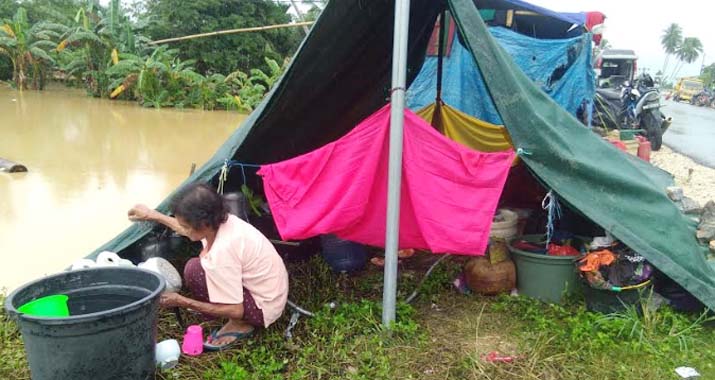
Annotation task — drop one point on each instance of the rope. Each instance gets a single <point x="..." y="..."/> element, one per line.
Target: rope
<point x="222" y="177"/>
<point x="551" y="204"/>
<point x="608" y="113"/>
<point x="522" y="152"/>
<point x="228" y="164"/>
<point x="429" y="271"/>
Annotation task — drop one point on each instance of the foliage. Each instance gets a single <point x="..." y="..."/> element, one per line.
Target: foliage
<point x="95" y="39"/>
<point x="666" y="338"/>
<point x="227" y="53"/>
<point x="13" y="364"/>
<point x="671" y="39"/>
<point x="102" y="49"/>
<point x="28" y="48"/>
<point x="708" y="75"/>
<point x="343" y="340"/>
<point x="162" y="79"/>
<point x="443" y="336"/>
<point x="313" y="13"/>
<point x="687" y="49"/>
<point x="690" y="49"/>
<point x="7" y="9"/>
<point x="254" y="201"/>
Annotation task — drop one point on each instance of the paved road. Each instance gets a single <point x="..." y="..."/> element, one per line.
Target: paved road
<point x="692" y="132"/>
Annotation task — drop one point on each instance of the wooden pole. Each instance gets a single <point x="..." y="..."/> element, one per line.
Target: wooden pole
<point x="231" y="31"/>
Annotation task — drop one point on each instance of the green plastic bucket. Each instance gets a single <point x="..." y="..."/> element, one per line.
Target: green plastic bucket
<point x="544" y="277"/>
<point x="48" y="306"/>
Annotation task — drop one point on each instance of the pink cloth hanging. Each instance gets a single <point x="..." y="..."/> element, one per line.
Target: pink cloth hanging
<point x="448" y="197"/>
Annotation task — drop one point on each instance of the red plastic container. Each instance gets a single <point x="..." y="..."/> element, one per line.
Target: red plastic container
<point x="644" y="150"/>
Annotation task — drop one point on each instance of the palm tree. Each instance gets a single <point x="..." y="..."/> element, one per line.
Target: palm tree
<point x="27" y="47"/>
<point x="670" y="40"/>
<point x="688" y="52"/>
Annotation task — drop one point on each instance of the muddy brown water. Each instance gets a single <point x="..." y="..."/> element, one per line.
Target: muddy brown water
<point x="89" y="161"/>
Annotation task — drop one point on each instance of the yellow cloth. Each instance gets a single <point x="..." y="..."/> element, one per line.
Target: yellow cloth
<point x="467" y="130"/>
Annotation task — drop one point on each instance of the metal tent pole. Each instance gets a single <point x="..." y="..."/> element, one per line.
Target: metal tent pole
<point x="397" y="100"/>
<point x="440" y="55"/>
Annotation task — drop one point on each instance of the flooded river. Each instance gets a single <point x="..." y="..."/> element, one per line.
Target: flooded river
<point x="89" y="160"/>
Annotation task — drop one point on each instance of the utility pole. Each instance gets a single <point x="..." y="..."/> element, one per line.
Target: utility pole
<point x="300" y="16"/>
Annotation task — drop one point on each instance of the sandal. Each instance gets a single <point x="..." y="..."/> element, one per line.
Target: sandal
<point x="237" y="335"/>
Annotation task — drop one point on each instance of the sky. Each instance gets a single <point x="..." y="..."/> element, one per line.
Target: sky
<point x="639" y="24"/>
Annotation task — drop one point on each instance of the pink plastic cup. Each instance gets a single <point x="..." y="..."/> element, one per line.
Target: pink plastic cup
<point x="193" y="343"/>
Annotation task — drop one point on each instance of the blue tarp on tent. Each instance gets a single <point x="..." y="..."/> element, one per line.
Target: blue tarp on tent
<point x="463" y="86"/>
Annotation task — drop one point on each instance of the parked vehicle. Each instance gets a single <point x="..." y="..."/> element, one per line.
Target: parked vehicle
<point x="636" y="105"/>
<point x="686" y="88"/>
<point x="703" y="98"/>
<point x="614" y="67"/>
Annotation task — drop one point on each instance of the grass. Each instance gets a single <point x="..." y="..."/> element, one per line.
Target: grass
<point x="444" y="335"/>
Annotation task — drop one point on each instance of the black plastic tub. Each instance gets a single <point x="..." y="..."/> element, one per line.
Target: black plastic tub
<point x="111" y="330"/>
<point x="609" y="301"/>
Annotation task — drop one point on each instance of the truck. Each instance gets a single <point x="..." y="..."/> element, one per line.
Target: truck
<point x="686" y="88"/>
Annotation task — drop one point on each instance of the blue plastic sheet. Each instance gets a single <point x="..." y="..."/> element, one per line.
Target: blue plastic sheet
<point x="463" y="85"/>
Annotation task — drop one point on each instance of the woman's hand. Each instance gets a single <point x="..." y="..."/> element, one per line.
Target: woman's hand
<point x="139" y="213"/>
<point x="171" y="299"/>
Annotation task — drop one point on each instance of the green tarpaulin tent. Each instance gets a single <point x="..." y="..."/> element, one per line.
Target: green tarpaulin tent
<point x="341" y="74"/>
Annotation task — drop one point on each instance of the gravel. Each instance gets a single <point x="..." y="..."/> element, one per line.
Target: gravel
<point x="697" y="181"/>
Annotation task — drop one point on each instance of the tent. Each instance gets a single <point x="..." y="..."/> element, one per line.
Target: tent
<point x="341" y="73"/>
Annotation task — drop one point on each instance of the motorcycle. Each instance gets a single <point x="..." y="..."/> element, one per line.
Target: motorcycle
<point x="703" y="98"/>
<point x="635" y="106"/>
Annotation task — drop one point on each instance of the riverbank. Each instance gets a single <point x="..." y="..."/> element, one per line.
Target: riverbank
<point x="696" y="180"/>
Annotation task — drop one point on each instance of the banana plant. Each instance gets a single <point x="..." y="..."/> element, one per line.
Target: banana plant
<point x="28" y="48"/>
<point x="158" y="80"/>
<point x="95" y="42"/>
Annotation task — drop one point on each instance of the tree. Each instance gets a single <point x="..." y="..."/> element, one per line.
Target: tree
<point x="226" y="53"/>
<point x="313" y="13"/>
<point x="56" y="11"/>
<point x="671" y="40"/>
<point x="27" y="47"/>
<point x="688" y="52"/>
<point x="97" y="36"/>
<point x="708" y="75"/>
<point x="7" y="9"/>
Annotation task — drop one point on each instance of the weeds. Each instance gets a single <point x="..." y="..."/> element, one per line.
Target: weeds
<point x="444" y="335"/>
<point x="13" y="364"/>
<point x="641" y="342"/>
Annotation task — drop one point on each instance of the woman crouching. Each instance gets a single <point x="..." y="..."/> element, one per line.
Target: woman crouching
<point x="238" y="274"/>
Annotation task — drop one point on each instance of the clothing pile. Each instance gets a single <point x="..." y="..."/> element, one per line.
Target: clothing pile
<point x="562" y="244"/>
<point x="615" y="268"/>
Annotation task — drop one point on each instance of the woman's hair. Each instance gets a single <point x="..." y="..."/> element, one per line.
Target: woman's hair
<point x="200" y="206"/>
